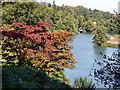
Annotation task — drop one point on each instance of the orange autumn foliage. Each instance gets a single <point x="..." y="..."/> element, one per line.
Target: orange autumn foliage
<point x="38" y="47"/>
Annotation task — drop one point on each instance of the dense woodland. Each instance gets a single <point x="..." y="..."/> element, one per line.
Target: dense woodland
<point x="34" y="42"/>
<point x="62" y="17"/>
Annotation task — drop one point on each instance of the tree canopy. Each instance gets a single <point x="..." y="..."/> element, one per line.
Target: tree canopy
<point x="63" y="17"/>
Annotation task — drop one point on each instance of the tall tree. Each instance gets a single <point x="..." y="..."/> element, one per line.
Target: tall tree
<point x="100" y="37"/>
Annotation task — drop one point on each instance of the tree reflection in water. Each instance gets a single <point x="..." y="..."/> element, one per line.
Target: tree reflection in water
<point x="109" y="72"/>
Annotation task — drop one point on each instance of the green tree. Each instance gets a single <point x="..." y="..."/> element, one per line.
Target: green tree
<point x="69" y="18"/>
<point x="100" y="37"/>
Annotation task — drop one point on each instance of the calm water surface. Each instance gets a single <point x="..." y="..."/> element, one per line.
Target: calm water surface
<point x="84" y="53"/>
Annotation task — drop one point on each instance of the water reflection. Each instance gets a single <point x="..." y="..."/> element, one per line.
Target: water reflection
<point x="98" y="52"/>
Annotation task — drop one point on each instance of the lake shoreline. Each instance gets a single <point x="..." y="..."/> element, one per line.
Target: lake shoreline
<point x="113" y="41"/>
<point x="85" y="52"/>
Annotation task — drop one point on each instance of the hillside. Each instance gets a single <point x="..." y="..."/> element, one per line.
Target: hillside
<point x="62" y="17"/>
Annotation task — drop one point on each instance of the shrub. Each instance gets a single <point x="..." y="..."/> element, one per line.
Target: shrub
<point x="83" y="84"/>
<point x="36" y="47"/>
<point x="26" y="77"/>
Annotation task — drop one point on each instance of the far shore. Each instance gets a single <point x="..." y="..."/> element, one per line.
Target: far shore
<point x="114" y="39"/>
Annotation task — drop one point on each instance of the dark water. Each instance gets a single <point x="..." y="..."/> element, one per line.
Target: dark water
<point x="84" y="53"/>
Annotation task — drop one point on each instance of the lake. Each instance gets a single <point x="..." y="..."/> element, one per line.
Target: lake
<point x="85" y="52"/>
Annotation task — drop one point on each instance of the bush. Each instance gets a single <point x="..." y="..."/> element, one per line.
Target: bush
<point x="83" y="84"/>
<point x="36" y="47"/>
<point x="26" y="77"/>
